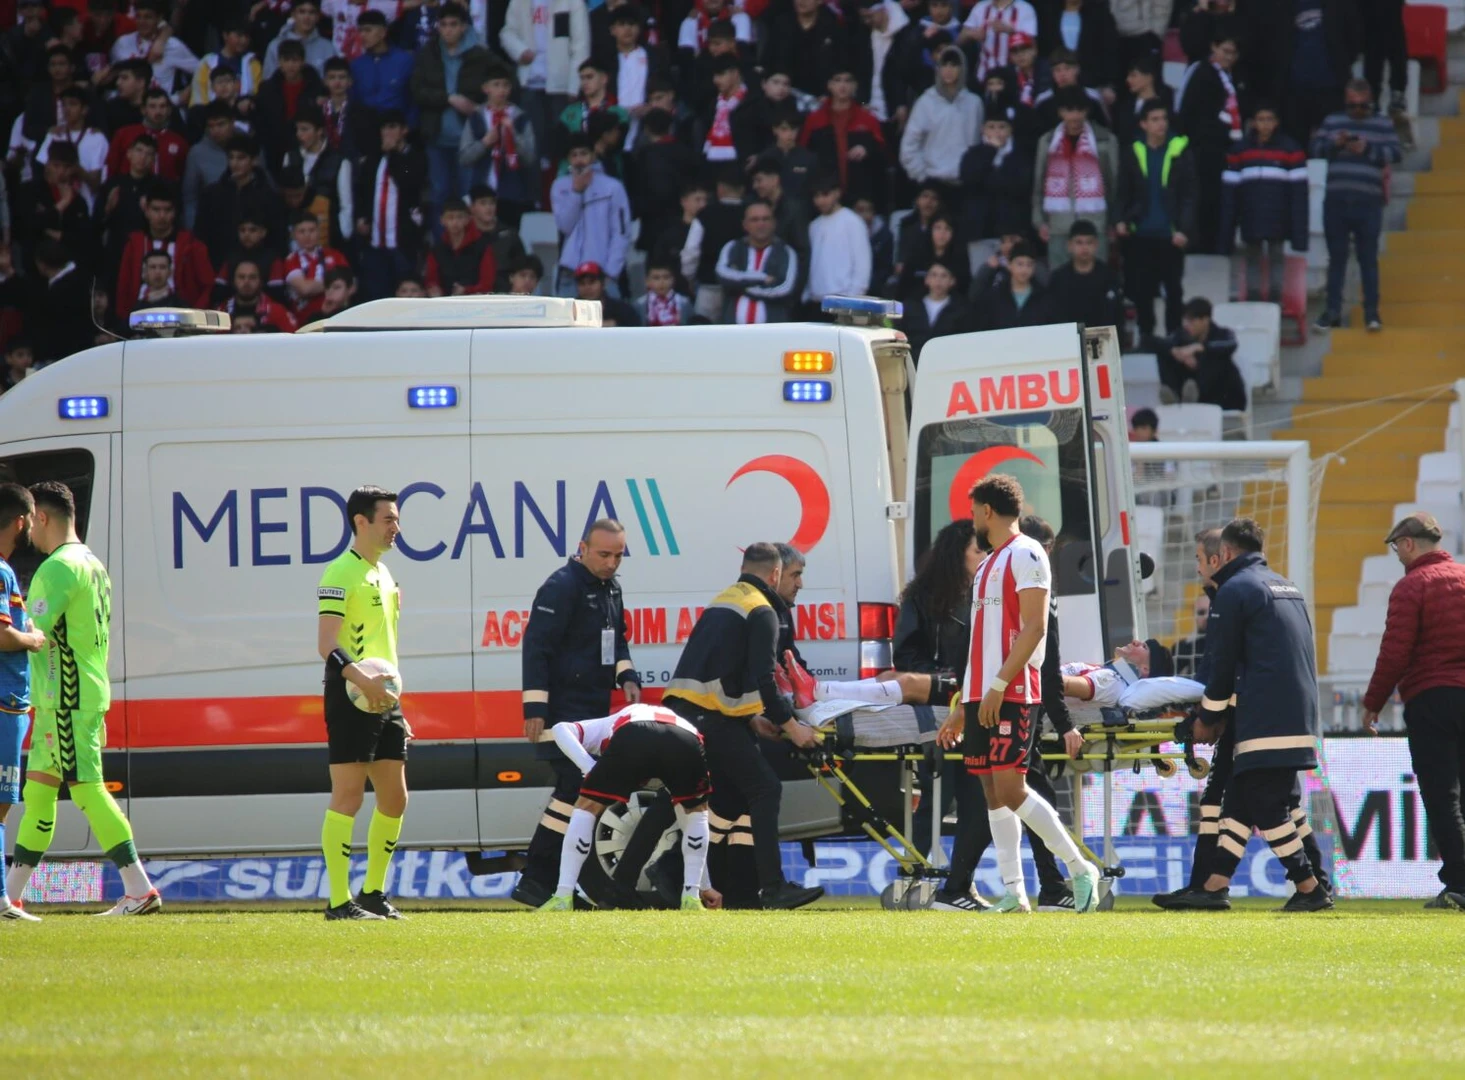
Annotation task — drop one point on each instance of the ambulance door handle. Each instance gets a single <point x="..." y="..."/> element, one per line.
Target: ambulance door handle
<point x="897" y="511"/>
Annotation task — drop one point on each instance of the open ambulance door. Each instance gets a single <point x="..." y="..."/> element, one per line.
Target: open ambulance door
<point x="1044" y="404"/>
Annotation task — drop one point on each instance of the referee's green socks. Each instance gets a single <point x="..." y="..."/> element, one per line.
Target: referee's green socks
<point x="381" y="841"/>
<point x="335" y="843"/>
<point x="33" y="838"/>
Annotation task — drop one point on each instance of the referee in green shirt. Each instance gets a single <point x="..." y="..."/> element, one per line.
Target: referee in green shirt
<point x="358" y="604"/>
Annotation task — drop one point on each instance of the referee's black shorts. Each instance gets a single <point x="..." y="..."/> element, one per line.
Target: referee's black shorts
<point x="644" y="751"/>
<point x="356" y="737"/>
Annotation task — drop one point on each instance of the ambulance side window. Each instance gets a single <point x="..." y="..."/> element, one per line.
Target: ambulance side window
<point x="74" y="468"/>
<point x="1048" y="454"/>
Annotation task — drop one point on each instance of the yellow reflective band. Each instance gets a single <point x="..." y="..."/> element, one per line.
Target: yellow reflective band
<point x="1227" y="842"/>
<point x="554" y="824"/>
<point x="1209" y="828"/>
<point x="536" y="697"/>
<point x="1276" y="742"/>
<point x="1291" y="847"/>
<point x="622" y="665"/>
<point x="1279" y="832"/>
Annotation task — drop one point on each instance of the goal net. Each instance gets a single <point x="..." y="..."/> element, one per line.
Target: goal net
<point x="1181" y="489"/>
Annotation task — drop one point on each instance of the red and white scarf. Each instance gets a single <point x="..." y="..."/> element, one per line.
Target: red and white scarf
<point x="661" y="312"/>
<point x="505" y="151"/>
<point x="171" y="247"/>
<point x="704" y="21"/>
<point x="750" y="309"/>
<point x="385" y="201"/>
<point x="1230" y="114"/>
<point x="1027" y="86"/>
<point x="1074" y="182"/>
<point x="335" y="123"/>
<point x="719" y="144"/>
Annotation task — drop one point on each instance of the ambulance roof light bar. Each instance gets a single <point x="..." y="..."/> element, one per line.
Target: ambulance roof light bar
<point x="861" y="310"/>
<point x="463" y="313"/>
<point x="168" y="321"/>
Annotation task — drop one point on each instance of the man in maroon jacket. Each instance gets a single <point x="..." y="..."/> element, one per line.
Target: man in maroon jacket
<point x="1423" y="654"/>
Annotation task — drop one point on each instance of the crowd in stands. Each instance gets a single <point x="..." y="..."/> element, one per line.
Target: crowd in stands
<point x="283" y="159"/>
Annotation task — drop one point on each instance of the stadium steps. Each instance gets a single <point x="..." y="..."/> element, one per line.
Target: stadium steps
<point x="1422" y="272"/>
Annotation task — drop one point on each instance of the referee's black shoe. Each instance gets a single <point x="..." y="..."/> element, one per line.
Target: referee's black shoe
<point x="378" y="904"/>
<point x="1196" y="900"/>
<point x="786" y="896"/>
<point x="1320" y="899"/>
<point x="351" y="910"/>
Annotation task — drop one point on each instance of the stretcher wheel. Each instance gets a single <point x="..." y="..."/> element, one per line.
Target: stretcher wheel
<point x="1081" y="764"/>
<point x="1164" y="768"/>
<point x="1200" y="769"/>
<point x="889" y="901"/>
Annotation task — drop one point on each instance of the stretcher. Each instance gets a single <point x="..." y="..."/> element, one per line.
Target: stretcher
<point x="906" y="735"/>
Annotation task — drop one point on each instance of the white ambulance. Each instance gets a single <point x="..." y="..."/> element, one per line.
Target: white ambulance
<point x="211" y="476"/>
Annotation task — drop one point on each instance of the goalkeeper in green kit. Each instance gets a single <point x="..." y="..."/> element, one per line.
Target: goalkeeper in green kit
<point x="71" y="603"/>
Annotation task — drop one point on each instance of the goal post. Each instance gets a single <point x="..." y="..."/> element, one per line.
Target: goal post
<point x="1183" y="487"/>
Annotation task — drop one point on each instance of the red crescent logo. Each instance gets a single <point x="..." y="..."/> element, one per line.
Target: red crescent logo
<point x="973" y="469"/>
<point x="813" y="495"/>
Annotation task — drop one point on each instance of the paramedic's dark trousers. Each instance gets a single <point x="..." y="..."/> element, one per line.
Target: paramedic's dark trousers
<point x="1435" y="720"/>
<point x="542" y="862"/>
<point x="974" y="836"/>
<point x="737" y="765"/>
<point x="1267" y="800"/>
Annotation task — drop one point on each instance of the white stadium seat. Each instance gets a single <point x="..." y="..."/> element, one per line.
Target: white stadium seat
<point x="1258" y="328"/>
<point x="1442" y="467"/>
<point x="1190" y="423"/>
<point x="1208" y="276"/>
<point x="1380" y="572"/>
<point x="1141" y="380"/>
<point x="1352" y="654"/>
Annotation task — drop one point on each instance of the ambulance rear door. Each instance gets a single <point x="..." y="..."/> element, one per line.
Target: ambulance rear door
<point x="1045" y="405"/>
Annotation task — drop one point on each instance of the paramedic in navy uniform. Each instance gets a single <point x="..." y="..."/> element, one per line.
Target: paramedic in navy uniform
<point x="574" y="654"/>
<point x="1263" y="681"/>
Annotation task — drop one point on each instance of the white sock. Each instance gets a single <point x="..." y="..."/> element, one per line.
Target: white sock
<point x="579" y="835"/>
<point x="16" y="881"/>
<point x="874" y="691"/>
<point x="696" y="834"/>
<point x="1040" y="816"/>
<point x="135" y="880"/>
<point x="1006" y="838"/>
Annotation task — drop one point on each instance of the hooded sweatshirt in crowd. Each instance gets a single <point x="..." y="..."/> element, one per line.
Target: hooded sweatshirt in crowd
<point x="943" y="124"/>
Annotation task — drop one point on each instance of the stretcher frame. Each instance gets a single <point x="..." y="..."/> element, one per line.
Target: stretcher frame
<point x="1137" y="740"/>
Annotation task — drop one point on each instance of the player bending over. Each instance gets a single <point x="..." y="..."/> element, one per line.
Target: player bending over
<point x="1003" y="684"/>
<point x="637" y="744"/>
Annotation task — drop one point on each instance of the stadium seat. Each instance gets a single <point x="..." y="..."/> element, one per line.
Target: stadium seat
<point x="1452" y="429"/>
<point x="1380" y="572"/>
<point x="896" y="218"/>
<point x="1426" y="40"/>
<point x="541" y="237"/>
<point x="1141" y="380"/>
<point x="1294" y="296"/>
<point x="635" y="262"/>
<point x="1258" y="328"/>
<point x="1208" y="276"/>
<point x="1352" y="654"/>
<point x="1190" y="423"/>
<point x="1358" y="620"/>
<point x="1441" y="467"/>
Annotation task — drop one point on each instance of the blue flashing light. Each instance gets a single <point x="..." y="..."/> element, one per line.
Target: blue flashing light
<point x="141" y="320"/>
<point x="867" y="306"/>
<point x="82" y="408"/>
<point x="432" y="397"/>
<point x="805" y="391"/>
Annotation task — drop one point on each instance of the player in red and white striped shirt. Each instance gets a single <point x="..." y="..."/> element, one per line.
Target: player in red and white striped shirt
<point x="1003" y="684"/>
<point x="993" y="22"/>
<point x="637" y="744"/>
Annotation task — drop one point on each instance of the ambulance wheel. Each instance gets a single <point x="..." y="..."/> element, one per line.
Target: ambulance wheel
<point x="1200" y="770"/>
<point x="613" y="831"/>
<point x="1165" y="768"/>
<point x="889" y="901"/>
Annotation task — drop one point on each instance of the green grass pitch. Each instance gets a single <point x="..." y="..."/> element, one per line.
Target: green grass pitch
<point x="1371" y="990"/>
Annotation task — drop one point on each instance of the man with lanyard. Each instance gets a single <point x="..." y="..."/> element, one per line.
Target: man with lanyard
<point x="18" y="639"/>
<point x="574" y="654"/>
<point x="1007" y="650"/>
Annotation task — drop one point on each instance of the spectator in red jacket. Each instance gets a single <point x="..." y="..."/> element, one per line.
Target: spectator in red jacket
<point x="249" y="297"/>
<point x="193" y="274"/>
<point x="1423" y="654"/>
<point x="157" y="115"/>
<point x="463" y="261"/>
<point x="848" y="140"/>
<point x="306" y="270"/>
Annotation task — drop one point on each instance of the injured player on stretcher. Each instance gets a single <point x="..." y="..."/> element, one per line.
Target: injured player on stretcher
<point x="1140" y="678"/>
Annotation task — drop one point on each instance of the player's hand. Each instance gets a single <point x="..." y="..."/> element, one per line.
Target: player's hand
<point x="801" y="735"/>
<point x="1072" y="743"/>
<point x="951" y="728"/>
<point x="632" y="690"/>
<point x="1370" y="721"/>
<point x="533" y="729"/>
<point x="711" y="899"/>
<point x="374" y="689"/>
<point x="988" y="713"/>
